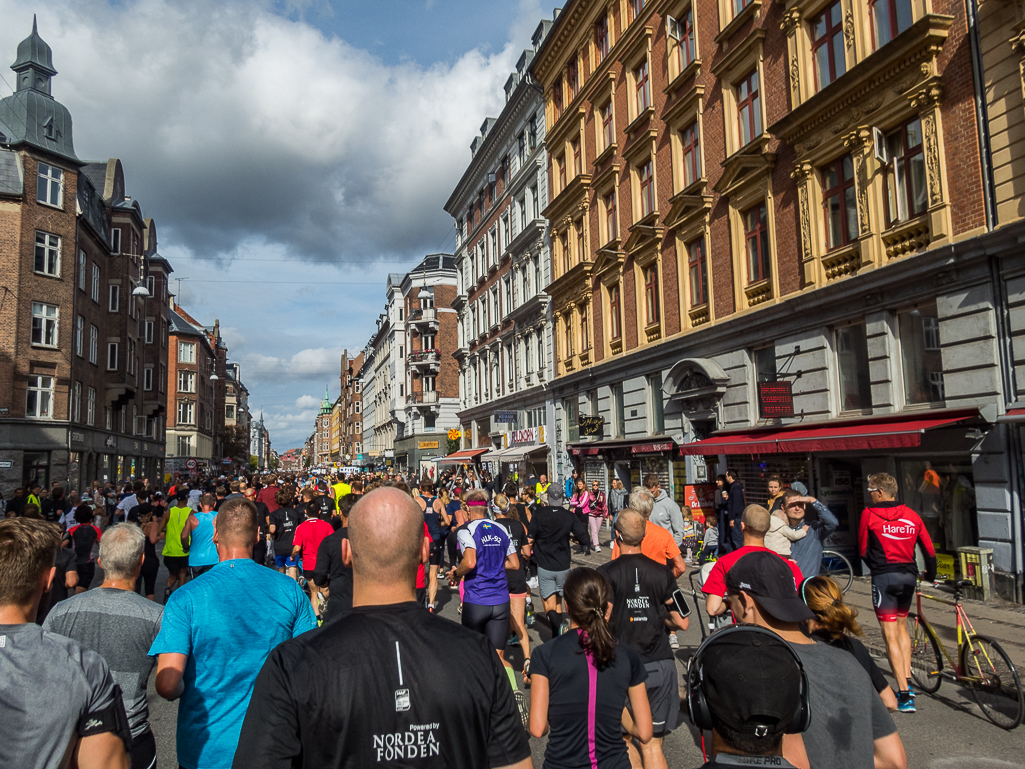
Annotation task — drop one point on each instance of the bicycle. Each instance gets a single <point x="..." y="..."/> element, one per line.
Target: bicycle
<point x="982" y="666"/>
<point x="836" y="566"/>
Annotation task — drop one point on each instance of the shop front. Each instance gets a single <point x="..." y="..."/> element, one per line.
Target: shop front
<point x="417" y="453"/>
<point x="630" y="461"/>
<point x="932" y="455"/>
<point x="523" y="453"/>
<point x="461" y="461"/>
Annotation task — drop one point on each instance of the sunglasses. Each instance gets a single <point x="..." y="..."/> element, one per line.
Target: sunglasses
<point x="872" y="490"/>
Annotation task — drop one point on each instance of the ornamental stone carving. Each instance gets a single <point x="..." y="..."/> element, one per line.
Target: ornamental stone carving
<point x="848" y="29"/>
<point x="932" y="158"/>
<point x="791" y="20"/>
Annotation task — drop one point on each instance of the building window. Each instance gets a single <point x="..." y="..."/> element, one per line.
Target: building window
<point x="96" y="284"/>
<point x="115" y="240"/>
<point x="575" y="147"/>
<point x="147" y="378"/>
<point x="76" y="403"/>
<point x="749" y="111"/>
<point x="39" y="397"/>
<point x="635" y="8"/>
<point x="619" y="410"/>
<point x="615" y="317"/>
<point x="572" y="78"/>
<point x="585" y="337"/>
<point x="186" y="412"/>
<point x="569" y="335"/>
<point x="90" y="407"/>
<point x="115" y="298"/>
<point x="94" y="342"/>
<point x="229" y="412"/>
<point x="889" y="19"/>
<point x="149" y="332"/>
<point x="642" y="97"/>
<point x="185" y="445"/>
<point x="44" y="324"/>
<point x="828" y="46"/>
<point x="920" y="355"/>
<point x="79" y="336"/>
<point x="611" y="217"/>
<point x="839" y="202"/>
<point x="560" y="165"/>
<point x="48" y="254"/>
<point x="691" y="154"/>
<point x="685" y="44"/>
<point x="756" y="240"/>
<point x="112" y="355"/>
<point x="571" y="409"/>
<point x="186" y="352"/>
<point x="601" y="38"/>
<point x="608" y="136"/>
<point x="651" y="298"/>
<point x="50" y="185"/>
<point x="852" y="367"/>
<point x="698" y="265"/>
<point x="647" y="189"/>
<point x="906" y="190"/>
<point x="81" y="271"/>
<point x="557" y="99"/>
<point x="655" y="405"/>
<point x="764" y="359"/>
<point x="532" y="133"/>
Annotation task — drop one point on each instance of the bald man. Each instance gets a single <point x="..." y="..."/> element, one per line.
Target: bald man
<point x="392" y="682"/>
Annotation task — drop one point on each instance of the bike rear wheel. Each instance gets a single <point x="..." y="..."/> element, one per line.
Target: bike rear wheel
<point x="837" y="568"/>
<point x="926" y="662"/>
<point x="990" y="676"/>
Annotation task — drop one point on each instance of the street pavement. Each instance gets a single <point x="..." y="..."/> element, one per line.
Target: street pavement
<point x="948" y="732"/>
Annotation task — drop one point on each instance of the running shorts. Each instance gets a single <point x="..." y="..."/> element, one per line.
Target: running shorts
<point x="143" y="754"/>
<point x="492" y="621"/>
<point x="175" y="564"/>
<point x="198" y="571"/>
<point x="892" y="594"/>
<point x="285" y="561"/>
<point x="308" y="576"/>
<point x="550" y="582"/>
<point x="437" y="552"/>
<point x="663" y="695"/>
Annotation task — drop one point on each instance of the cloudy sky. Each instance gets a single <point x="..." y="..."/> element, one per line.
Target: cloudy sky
<point x="292" y="153"/>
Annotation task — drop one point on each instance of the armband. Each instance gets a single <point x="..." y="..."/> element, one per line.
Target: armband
<point x="110" y="719"/>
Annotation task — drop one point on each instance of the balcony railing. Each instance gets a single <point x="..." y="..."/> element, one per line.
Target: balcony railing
<point x="427" y="316"/>
<point x="422" y="400"/>
<point x="425" y="359"/>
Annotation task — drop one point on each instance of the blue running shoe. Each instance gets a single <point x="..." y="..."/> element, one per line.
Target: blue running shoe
<point x="905" y="704"/>
<point x="911" y="691"/>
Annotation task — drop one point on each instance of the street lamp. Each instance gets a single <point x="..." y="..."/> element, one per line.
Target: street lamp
<point x="214" y="377"/>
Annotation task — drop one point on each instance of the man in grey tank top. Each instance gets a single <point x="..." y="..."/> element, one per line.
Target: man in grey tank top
<point x="120" y="625"/>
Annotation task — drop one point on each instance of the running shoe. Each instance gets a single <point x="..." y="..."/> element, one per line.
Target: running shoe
<point x="512" y="640"/>
<point x="522" y="705"/>
<point x="674" y="642"/>
<point x="905" y="703"/>
<point x="430" y="608"/>
<point x="911" y="691"/>
<point x="597" y="548"/>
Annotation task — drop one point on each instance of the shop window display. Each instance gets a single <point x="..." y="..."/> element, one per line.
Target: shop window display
<point x="943" y="493"/>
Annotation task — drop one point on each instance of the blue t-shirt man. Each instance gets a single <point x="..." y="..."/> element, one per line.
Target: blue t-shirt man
<point x="203" y="551"/>
<point x="487" y="584"/>
<point x="226" y="623"/>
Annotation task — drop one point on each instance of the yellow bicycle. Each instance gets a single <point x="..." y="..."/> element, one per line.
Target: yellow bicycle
<point x="982" y="665"/>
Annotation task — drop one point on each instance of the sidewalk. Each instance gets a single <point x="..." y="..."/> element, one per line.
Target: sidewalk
<point x="1003" y="622"/>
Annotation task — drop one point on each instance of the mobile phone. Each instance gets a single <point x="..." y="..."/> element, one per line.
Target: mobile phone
<point x="680" y="602"/>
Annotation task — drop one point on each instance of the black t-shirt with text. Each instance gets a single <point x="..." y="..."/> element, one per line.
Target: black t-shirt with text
<point x="641" y="588"/>
<point x="284" y="519"/>
<point x="423" y="692"/>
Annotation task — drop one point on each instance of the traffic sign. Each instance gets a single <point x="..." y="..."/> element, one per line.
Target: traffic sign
<point x="191" y="464"/>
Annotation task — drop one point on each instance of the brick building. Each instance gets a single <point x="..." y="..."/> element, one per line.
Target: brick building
<point x="351" y="410"/>
<point x="237" y="419"/>
<point x="190" y="422"/>
<point x="793" y="197"/>
<point x="84" y="294"/>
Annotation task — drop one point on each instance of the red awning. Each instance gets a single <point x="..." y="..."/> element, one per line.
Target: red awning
<point x="461" y="457"/>
<point x="860" y="435"/>
<point x="1013" y="415"/>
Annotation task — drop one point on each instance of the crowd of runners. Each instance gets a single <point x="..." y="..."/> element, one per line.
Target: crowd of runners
<point x="297" y="626"/>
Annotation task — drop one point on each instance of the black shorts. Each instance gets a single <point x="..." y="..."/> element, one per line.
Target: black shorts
<point x="492" y="621"/>
<point x="892" y="594"/>
<point x="143" y="754"/>
<point x="308" y="576"/>
<point x="86" y="572"/>
<point x="148" y="575"/>
<point x="437" y="555"/>
<point x="175" y="564"/>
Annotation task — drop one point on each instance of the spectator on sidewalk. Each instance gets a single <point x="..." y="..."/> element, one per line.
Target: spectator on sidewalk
<point x="850" y="726"/>
<point x="59" y="705"/>
<point x="120" y="625"/>
<point x="731" y="537"/>
<point x="807" y="550"/>
<point x="666" y="513"/>
<point x="215" y="635"/>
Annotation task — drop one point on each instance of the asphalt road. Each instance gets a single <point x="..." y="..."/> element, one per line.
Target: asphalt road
<point x="947" y="732"/>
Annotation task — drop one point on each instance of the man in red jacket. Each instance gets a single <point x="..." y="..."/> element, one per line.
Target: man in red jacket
<point x="887" y="535"/>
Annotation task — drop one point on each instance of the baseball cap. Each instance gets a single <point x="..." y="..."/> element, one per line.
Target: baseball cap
<point x="555" y="495"/>
<point x="766" y="577"/>
<point x="751" y="681"/>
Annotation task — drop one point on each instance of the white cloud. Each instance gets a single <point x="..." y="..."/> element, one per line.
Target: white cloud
<point x="306" y="402"/>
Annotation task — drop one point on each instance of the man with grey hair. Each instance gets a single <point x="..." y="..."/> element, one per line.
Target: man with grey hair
<point x="120" y="625"/>
<point x="658" y="544"/>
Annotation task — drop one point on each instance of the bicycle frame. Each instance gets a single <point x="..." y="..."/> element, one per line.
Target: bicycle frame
<point x="965" y="630"/>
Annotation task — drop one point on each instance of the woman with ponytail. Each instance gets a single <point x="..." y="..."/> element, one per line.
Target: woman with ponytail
<point x="580" y="679"/>
<point x="836" y="624"/>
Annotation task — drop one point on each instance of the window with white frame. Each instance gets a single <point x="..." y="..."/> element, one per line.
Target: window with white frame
<point x="39" y="397"/>
<point x="81" y="271"/>
<point x="115" y="298"/>
<point x="115" y="240"/>
<point x="186" y="352"/>
<point x="95" y="293"/>
<point x="47" y="254"/>
<point x="44" y="324"/>
<point x="113" y="349"/>
<point x="76" y="403"/>
<point x="185" y="445"/>
<point x="149" y="331"/>
<point x="79" y="336"/>
<point x="50" y="185"/>
<point x="94" y="343"/>
<point x="186" y="412"/>
<point x="90" y="407"/>
<point x="147" y="378"/>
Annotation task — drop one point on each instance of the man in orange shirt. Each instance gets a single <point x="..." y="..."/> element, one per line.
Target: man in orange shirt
<point x="658" y="544"/>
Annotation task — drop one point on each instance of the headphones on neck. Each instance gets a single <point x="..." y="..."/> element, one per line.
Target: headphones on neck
<point x="697" y="705"/>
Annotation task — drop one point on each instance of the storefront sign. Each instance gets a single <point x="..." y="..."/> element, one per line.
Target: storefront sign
<point x="591" y="425"/>
<point x="700" y="498"/>
<point x="77" y="437"/>
<point x="6" y="464"/>
<point x="506" y="417"/>
<point x="428" y="444"/>
<point x="776" y="399"/>
<point x="110" y="442"/>
<point x="651" y="448"/>
<point x="526" y="435"/>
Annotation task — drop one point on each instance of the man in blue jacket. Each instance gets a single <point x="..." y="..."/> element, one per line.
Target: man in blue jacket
<point x="571" y="485"/>
<point x="731" y="536"/>
<point x="807" y="552"/>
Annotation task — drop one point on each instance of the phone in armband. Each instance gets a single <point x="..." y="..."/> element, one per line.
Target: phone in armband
<point x="680" y="603"/>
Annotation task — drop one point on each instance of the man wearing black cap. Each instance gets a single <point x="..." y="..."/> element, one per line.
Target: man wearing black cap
<point x="850" y="726"/>
<point x="751" y="686"/>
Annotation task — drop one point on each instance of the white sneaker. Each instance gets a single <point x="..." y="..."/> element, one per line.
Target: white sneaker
<point x="674" y="642"/>
<point x="597" y="548"/>
<point x="532" y="583"/>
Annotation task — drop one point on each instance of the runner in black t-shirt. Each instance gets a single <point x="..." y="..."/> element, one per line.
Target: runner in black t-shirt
<point x="317" y="704"/>
<point x="282" y="527"/>
<point x="642" y="609"/>
<point x="549" y="533"/>
<point x="64" y="582"/>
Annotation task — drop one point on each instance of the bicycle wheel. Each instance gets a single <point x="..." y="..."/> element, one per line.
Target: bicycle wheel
<point x="837" y="568"/>
<point x="926" y="662"/>
<point x="990" y="675"/>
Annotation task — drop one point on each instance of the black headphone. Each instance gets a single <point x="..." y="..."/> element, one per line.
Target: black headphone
<point x="697" y="706"/>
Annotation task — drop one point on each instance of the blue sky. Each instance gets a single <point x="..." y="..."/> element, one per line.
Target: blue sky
<point x="291" y="152"/>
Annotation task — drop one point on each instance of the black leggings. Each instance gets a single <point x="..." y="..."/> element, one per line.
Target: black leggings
<point x="492" y="621"/>
<point x="148" y="575"/>
<point x="453" y="548"/>
<point x="86" y="572"/>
